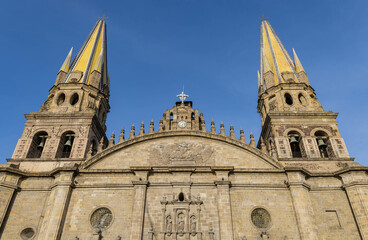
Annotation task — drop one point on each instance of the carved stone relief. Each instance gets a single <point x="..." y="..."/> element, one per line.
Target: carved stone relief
<point x="181" y="218"/>
<point x="182" y="153"/>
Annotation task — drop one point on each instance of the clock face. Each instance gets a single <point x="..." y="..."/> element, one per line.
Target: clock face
<point x="182" y="124"/>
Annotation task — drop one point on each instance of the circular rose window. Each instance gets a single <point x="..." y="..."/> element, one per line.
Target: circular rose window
<point x="101" y="218"/>
<point x="27" y="233"/>
<point x="260" y="218"/>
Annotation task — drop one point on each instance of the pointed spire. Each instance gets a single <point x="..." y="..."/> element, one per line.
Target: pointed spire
<point x="213" y="128"/>
<point x="112" y="139"/>
<point x="242" y="137"/>
<point x="151" y="128"/>
<point x="122" y="135"/>
<point x="222" y="129"/>
<point x="274" y="57"/>
<point x="298" y="65"/>
<point x="91" y="57"/>
<point x="132" y="132"/>
<point x="252" y="141"/>
<point x="232" y="134"/>
<point x="66" y="65"/>
<point x="141" y="130"/>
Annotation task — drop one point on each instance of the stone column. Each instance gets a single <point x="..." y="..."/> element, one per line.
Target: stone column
<point x="303" y="208"/>
<point x="140" y="193"/>
<point x="224" y="205"/>
<point x="57" y="205"/>
<point x="356" y="187"/>
<point x="8" y="185"/>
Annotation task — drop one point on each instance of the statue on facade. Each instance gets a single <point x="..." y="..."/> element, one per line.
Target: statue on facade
<point x="168" y="224"/>
<point x="193" y="224"/>
<point x="181" y="222"/>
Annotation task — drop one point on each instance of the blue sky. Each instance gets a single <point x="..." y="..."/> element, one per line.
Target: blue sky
<point x="210" y="46"/>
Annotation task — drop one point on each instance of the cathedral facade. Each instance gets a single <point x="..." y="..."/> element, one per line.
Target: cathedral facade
<point x="182" y="179"/>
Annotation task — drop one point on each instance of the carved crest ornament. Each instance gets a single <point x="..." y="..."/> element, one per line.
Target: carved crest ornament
<point x="182" y="153"/>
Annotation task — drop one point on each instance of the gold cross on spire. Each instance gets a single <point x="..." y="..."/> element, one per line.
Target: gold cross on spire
<point x="103" y="17"/>
<point x="263" y="17"/>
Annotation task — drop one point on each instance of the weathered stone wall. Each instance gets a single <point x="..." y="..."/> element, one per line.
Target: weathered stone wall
<point x="333" y="214"/>
<point x="85" y="200"/>
<point x="276" y="201"/>
<point x="27" y="211"/>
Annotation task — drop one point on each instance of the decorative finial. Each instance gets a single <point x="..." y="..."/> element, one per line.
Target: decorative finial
<point x="141" y="130"/>
<point x="182" y="96"/>
<point x="132" y="132"/>
<point x="222" y="129"/>
<point x="151" y="128"/>
<point x="89" y="153"/>
<point x="161" y="126"/>
<point x="242" y="137"/>
<point x="103" y="17"/>
<point x="213" y="128"/>
<point x="202" y="122"/>
<point x="232" y="134"/>
<point x="122" y="133"/>
<point x="112" y="139"/>
<point x="100" y="146"/>
<point x="263" y="17"/>
<point x="263" y="146"/>
<point x="252" y="141"/>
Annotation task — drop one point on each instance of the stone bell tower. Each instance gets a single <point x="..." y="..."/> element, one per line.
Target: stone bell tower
<point x="71" y="121"/>
<point x="294" y="124"/>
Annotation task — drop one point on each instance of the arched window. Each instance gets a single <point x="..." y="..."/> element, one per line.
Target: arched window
<point x="322" y="141"/>
<point x="37" y="145"/>
<point x="171" y="116"/>
<point x="288" y="99"/>
<point x="181" y="197"/>
<point x="66" y="144"/>
<point x="294" y="140"/>
<point x="193" y="116"/>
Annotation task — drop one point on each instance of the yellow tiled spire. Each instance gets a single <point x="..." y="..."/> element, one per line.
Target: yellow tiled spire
<point x="274" y="57"/>
<point x="298" y="64"/>
<point x="92" y="56"/>
<point x="66" y="65"/>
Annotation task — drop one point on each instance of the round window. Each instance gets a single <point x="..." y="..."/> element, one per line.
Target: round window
<point x="260" y="218"/>
<point x="61" y="99"/>
<point x="101" y="218"/>
<point x="27" y="233"/>
<point x="74" y="99"/>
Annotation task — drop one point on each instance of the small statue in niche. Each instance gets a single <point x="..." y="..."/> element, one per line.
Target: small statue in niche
<point x="193" y="224"/>
<point x="168" y="224"/>
<point x="211" y="234"/>
<point x="181" y="222"/>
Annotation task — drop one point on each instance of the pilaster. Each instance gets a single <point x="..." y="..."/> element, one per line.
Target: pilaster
<point x="8" y="185"/>
<point x="57" y="205"/>
<point x="356" y="187"/>
<point x="299" y="191"/>
<point x="224" y="205"/>
<point x="140" y="193"/>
